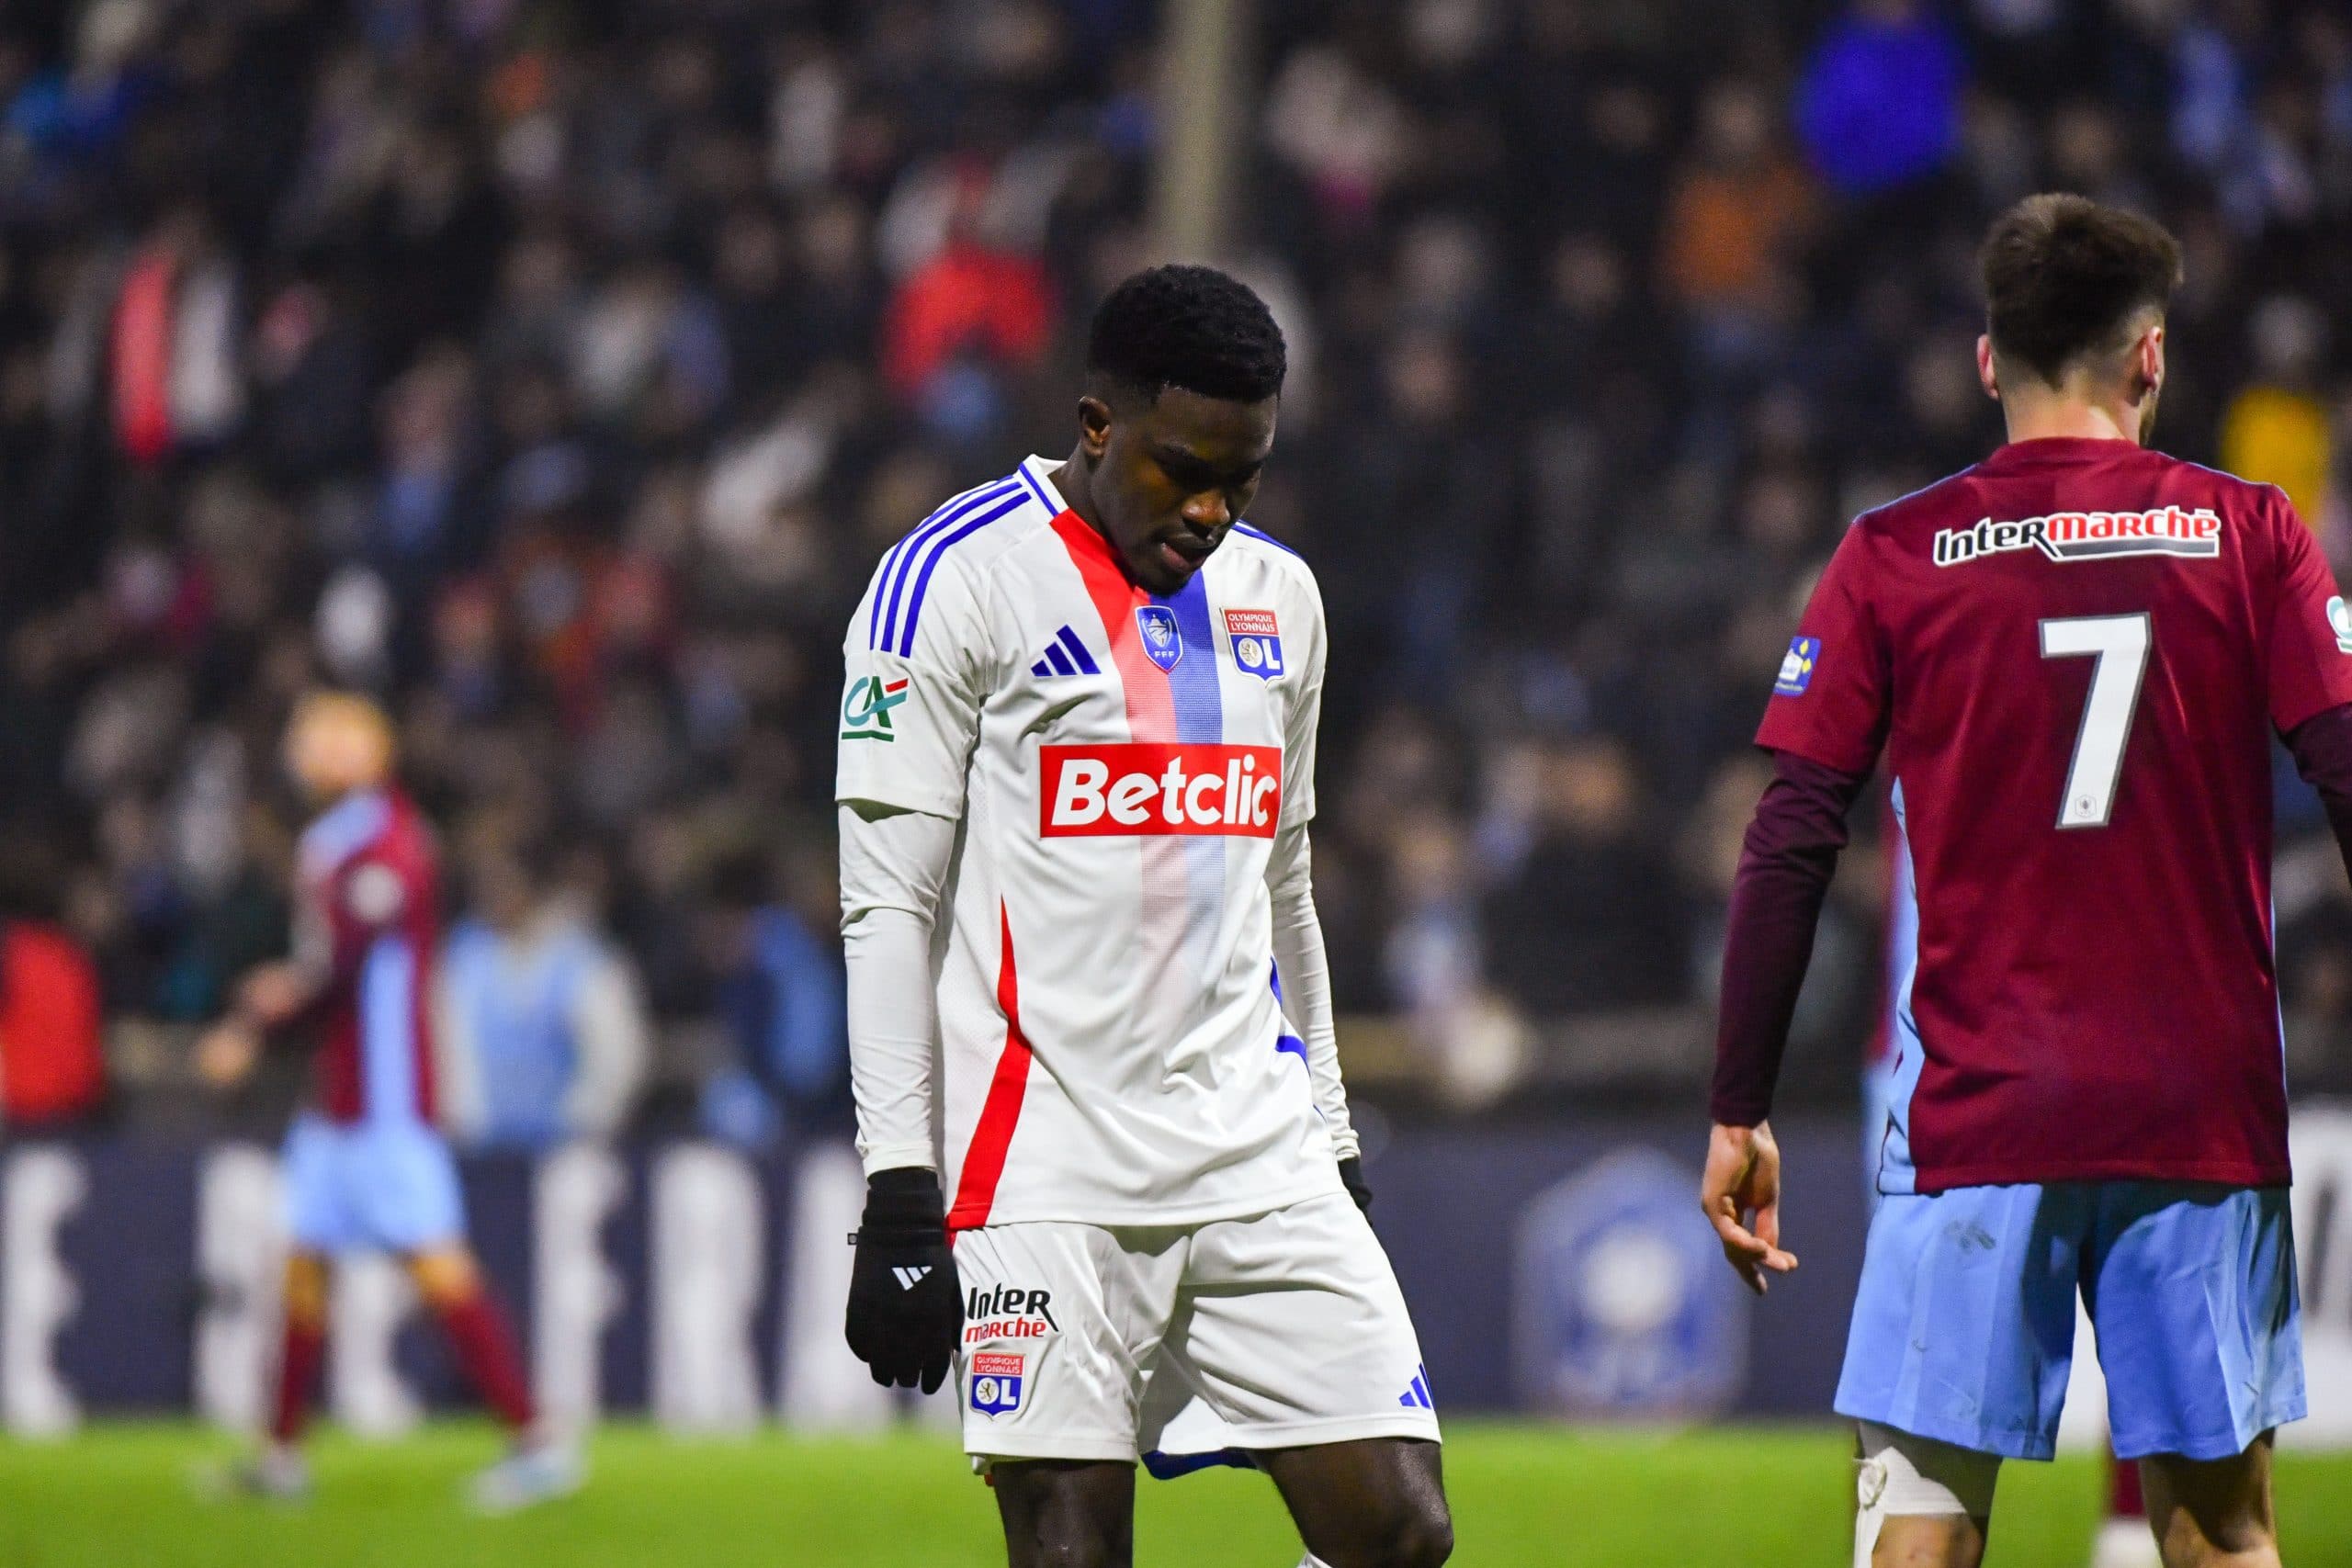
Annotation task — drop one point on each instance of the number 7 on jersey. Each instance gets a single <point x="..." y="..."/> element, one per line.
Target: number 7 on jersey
<point x="2120" y="643"/>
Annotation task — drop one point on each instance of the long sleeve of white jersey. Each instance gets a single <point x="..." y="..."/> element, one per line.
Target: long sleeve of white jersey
<point x="908" y="721"/>
<point x="1299" y="955"/>
<point x="894" y="873"/>
<point x="1306" y="980"/>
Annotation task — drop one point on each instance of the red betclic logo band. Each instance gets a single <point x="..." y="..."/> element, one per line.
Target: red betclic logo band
<point x="1148" y="790"/>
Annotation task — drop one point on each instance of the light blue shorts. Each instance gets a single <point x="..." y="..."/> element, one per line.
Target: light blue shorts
<point x="370" y="1186"/>
<point x="1964" y="1323"/>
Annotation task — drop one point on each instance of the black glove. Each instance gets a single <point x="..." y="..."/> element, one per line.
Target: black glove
<point x="905" y="1307"/>
<point x="1351" y="1177"/>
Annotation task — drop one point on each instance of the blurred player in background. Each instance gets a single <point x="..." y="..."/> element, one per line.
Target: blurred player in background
<point x="1078" y="733"/>
<point x="2074" y="655"/>
<point x="365" y="1168"/>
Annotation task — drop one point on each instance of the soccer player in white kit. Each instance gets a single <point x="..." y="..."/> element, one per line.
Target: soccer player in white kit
<point x="1089" y="1010"/>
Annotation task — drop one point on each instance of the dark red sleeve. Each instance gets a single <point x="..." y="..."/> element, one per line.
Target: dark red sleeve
<point x="2311" y="629"/>
<point x="2323" y="749"/>
<point x="1785" y="865"/>
<point x="1832" y="700"/>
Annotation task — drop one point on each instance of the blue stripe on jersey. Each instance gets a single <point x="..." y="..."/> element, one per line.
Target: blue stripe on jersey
<point x="890" y="566"/>
<point x="1078" y="652"/>
<point x="896" y="553"/>
<point x="1896" y="1172"/>
<point x="1195" y="690"/>
<point x="1018" y="499"/>
<point x="388" y="1029"/>
<point x="1035" y="488"/>
<point x="1058" y="659"/>
<point x="1264" y="537"/>
<point x="1193" y="685"/>
<point x="901" y="562"/>
<point x="1286" y="1040"/>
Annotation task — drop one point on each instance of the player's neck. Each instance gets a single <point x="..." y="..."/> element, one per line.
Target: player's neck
<point x="330" y="801"/>
<point x="1075" y="480"/>
<point x="2042" y="419"/>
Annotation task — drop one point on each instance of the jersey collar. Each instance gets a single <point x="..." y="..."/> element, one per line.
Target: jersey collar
<point x="1038" y="474"/>
<point x="2063" y="449"/>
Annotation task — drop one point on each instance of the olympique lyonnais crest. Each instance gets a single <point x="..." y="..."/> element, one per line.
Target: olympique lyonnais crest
<point x="996" y="1382"/>
<point x="1162" y="643"/>
<point x="1257" y="642"/>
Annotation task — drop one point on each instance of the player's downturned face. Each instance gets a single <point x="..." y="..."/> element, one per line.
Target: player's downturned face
<point x="1174" y="476"/>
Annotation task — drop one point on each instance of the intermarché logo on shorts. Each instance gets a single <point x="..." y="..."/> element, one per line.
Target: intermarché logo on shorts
<point x="1008" y="1312"/>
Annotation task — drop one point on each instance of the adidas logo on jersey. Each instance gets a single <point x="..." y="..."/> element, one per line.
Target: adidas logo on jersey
<point x="1066" y="655"/>
<point x="908" y="1278"/>
<point x="1150" y="789"/>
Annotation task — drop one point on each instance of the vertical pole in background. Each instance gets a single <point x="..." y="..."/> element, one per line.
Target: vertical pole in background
<point x="1204" y="49"/>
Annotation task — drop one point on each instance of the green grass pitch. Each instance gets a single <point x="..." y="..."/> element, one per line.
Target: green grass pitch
<point x="119" y="1496"/>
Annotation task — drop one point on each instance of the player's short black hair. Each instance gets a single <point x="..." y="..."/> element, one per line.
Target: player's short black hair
<point x="1192" y="327"/>
<point x="2065" y="278"/>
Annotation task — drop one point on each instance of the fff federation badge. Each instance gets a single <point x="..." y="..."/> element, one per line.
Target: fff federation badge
<point x="1797" y="666"/>
<point x="1162" y="643"/>
<point x="996" y="1382"/>
<point x="1257" y="639"/>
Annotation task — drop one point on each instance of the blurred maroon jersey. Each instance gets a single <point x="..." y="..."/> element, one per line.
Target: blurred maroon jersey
<point x="367" y="917"/>
<point x="2073" y="655"/>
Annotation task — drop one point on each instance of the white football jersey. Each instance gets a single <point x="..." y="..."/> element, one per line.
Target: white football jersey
<point x="1114" y="1048"/>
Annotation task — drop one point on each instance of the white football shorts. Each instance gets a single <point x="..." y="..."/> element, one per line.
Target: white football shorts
<point x="1277" y="1330"/>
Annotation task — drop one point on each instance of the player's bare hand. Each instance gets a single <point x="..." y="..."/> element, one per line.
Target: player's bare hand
<point x="272" y="994"/>
<point x="226" y="1053"/>
<point x="1741" y="1193"/>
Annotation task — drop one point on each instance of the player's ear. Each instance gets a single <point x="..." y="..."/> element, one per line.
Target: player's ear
<point x="1093" y="425"/>
<point x="2151" y="358"/>
<point x="1986" y="377"/>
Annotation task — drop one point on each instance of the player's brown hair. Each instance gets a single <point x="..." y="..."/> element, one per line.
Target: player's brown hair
<point x="2066" y="278"/>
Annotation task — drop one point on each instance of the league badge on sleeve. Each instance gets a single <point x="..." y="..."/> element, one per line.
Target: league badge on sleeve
<point x="996" y="1382"/>
<point x="1796" y="667"/>
<point x="866" y="710"/>
<point x="2339" y="621"/>
<point x="1162" y="643"/>
<point x="1257" y="642"/>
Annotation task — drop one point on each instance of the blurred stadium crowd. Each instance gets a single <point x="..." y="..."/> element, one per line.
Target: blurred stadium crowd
<point x="558" y="369"/>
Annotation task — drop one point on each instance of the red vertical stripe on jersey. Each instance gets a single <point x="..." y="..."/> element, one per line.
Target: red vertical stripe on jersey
<point x="984" y="1161"/>
<point x="338" y="1060"/>
<point x="1151" y="710"/>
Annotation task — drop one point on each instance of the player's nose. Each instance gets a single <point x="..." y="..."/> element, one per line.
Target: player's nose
<point x="1207" y="513"/>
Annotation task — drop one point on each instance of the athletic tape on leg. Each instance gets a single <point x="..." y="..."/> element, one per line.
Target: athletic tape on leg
<point x="1901" y="1474"/>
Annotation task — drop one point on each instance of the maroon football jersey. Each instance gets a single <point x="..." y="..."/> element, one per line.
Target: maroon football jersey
<point x="368" y="919"/>
<point x="2074" y="656"/>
